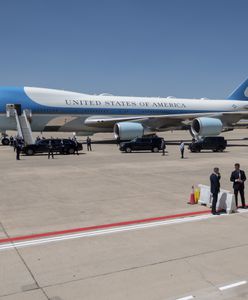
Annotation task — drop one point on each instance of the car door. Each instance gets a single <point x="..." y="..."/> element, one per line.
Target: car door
<point x="56" y="145"/>
<point x="136" y="144"/>
<point x="212" y="143"/>
<point x="68" y="144"/>
<point x="154" y="143"/>
<point x="144" y="144"/>
<point x="42" y="146"/>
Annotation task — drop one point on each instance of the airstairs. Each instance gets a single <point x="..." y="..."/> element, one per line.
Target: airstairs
<point x="22" y="122"/>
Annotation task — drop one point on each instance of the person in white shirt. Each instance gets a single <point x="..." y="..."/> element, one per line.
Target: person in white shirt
<point x="181" y="147"/>
<point x="238" y="178"/>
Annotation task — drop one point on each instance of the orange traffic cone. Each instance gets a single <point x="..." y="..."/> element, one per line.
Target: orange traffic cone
<point x="192" y="197"/>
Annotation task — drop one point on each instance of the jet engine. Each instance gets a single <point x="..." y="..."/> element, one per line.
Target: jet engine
<point x="128" y="130"/>
<point x="205" y="126"/>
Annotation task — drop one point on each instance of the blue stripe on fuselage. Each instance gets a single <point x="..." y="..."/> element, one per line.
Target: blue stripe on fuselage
<point x="17" y="95"/>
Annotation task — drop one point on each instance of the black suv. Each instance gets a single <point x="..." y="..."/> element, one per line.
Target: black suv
<point x="63" y="146"/>
<point x="146" y="143"/>
<point x="215" y="143"/>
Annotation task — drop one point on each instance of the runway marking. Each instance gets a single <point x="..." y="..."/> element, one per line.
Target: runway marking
<point x="233" y="285"/>
<point x="47" y="240"/>
<point x="186" y="298"/>
<point x="32" y="240"/>
<point x="96" y="227"/>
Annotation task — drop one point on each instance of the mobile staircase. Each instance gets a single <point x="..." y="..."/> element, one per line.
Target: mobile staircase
<point x="22" y="118"/>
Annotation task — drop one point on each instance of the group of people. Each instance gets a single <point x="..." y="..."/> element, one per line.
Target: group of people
<point x="62" y="148"/>
<point x="74" y="139"/>
<point x="18" y="143"/>
<point x="181" y="148"/>
<point x="238" y="178"/>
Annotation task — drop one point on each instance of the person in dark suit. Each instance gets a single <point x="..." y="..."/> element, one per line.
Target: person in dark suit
<point x="215" y="188"/>
<point x="50" y="150"/>
<point x="76" y="144"/>
<point x="238" y="178"/>
<point x="18" y="150"/>
<point x="88" y="142"/>
<point x="163" y="146"/>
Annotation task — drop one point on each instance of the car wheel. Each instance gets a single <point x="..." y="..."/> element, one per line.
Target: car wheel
<point x="30" y="152"/>
<point x="5" y="141"/>
<point x="128" y="150"/>
<point x="71" y="151"/>
<point x="155" y="149"/>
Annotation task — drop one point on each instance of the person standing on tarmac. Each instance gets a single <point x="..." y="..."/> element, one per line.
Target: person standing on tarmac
<point x="215" y="188"/>
<point x="11" y="139"/>
<point x="18" y="150"/>
<point x="14" y="144"/>
<point x="50" y="150"/>
<point x="88" y="142"/>
<point x="62" y="147"/>
<point x="238" y="178"/>
<point x="76" y="144"/>
<point x="181" y="147"/>
<point x="163" y="146"/>
<point x="118" y="141"/>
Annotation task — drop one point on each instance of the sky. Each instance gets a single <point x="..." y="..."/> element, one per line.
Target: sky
<point x="182" y="48"/>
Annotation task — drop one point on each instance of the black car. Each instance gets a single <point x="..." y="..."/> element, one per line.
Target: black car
<point x="214" y="143"/>
<point x="138" y="144"/>
<point x="63" y="146"/>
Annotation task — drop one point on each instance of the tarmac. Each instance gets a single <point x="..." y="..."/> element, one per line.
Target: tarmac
<point x="110" y="225"/>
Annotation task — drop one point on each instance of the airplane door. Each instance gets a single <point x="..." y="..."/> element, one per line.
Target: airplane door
<point x="10" y="109"/>
<point x="18" y="108"/>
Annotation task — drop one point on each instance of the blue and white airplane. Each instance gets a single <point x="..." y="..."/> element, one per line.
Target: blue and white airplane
<point x="127" y="117"/>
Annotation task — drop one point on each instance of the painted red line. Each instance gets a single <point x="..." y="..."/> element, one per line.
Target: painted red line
<point x="96" y="227"/>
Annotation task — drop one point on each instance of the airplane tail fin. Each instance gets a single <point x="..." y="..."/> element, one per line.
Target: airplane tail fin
<point x="241" y="92"/>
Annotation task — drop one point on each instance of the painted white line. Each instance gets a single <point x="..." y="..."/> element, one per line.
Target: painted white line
<point x="65" y="237"/>
<point x="186" y="298"/>
<point x="230" y="286"/>
<point x="241" y="210"/>
<point x="29" y="243"/>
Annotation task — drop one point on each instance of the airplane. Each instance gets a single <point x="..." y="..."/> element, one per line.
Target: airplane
<point x="127" y="117"/>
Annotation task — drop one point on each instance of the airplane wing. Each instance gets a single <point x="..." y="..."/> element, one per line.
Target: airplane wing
<point x="161" y="122"/>
<point x="157" y="121"/>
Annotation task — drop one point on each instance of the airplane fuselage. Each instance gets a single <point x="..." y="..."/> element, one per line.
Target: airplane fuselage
<point x="67" y="111"/>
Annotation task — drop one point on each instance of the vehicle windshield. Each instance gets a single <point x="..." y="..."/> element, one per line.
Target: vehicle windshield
<point x="42" y="142"/>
